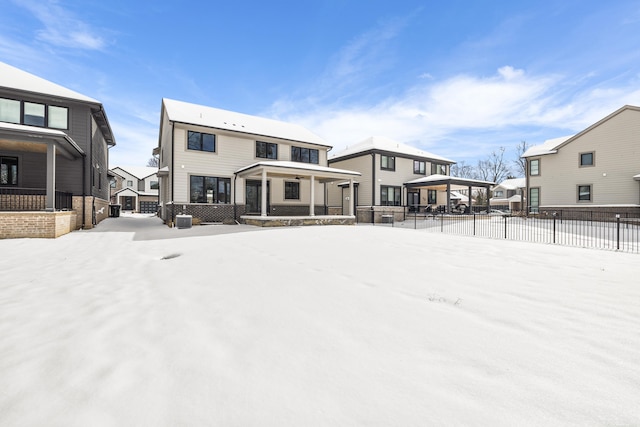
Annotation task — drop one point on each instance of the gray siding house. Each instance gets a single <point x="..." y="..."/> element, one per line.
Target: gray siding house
<point x="54" y="151"/>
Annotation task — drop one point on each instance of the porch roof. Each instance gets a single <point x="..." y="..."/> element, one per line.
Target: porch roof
<point x="34" y="139"/>
<point x="436" y="180"/>
<point x="288" y="169"/>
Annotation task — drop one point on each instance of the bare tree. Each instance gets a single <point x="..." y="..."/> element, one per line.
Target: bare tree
<point x="493" y="168"/>
<point x="153" y="162"/>
<point x="521" y="164"/>
<point x="462" y="170"/>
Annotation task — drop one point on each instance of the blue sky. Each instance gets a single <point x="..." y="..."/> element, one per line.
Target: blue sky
<point x="457" y="78"/>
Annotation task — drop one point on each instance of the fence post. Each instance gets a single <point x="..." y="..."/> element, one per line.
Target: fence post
<point x="554" y="227"/>
<point x="505" y="226"/>
<point x="618" y="231"/>
<point x="442" y="222"/>
<point x="415" y="217"/>
<point x="474" y="223"/>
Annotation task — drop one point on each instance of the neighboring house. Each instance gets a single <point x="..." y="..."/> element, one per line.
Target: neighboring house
<point x="223" y="166"/>
<point x="53" y="157"/>
<point x="135" y="188"/>
<point x="508" y="194"/>
<point x="598" y="169"/>
<point x="394" y="176"/>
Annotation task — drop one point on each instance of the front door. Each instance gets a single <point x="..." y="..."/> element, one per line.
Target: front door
<point x="413" y="200"/>
<point x="345" y="202"/>
<point x="128" y="203"/>
<point x="254" y="197"/>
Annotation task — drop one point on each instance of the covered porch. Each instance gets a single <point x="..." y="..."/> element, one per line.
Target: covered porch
<point x="262" y="172"/>
<point x="450" y="185"/>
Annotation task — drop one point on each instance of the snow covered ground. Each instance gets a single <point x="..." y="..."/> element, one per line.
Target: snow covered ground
<point x="316" y="326"/>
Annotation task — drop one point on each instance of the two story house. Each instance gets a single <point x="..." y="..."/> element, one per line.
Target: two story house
<point x="54" y="152"/>
<point x="508" y="195"/>
<point x="223" y="166"/>
<point x="135" y="188"/>
<point x="597" y="169"/>
<point x="395" y="176"/>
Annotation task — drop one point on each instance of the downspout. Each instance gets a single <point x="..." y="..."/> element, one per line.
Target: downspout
<point x="173" y="161"/>
<point x="84" y="189"/>
<point x="373" y="187"/>
<point x="235" y="201"/>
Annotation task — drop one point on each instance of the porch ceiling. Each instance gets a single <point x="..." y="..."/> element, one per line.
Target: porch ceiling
<point x="286" y="169"/>
<point x="35" y="140"/>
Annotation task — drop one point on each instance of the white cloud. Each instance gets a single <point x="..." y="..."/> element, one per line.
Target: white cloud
<point x="61" y="27"/>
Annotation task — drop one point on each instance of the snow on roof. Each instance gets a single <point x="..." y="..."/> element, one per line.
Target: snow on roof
<point x="386" y="144"/>
<point x="444" y="178"/>
<point x="139" y="172"/>
<point x="300" y="166"/>
<point x="14" y="78"/>
<point x="458" y="196"/>
<point x="513" y="183"/>
<point x="547" y="147"/>
<point x="185" y="112"/>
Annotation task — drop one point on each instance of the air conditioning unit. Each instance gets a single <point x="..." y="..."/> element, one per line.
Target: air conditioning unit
<point x="183" y="221"/>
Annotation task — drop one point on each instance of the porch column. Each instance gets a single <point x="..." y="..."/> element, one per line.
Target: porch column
<point x="448" y="209"/>
<point x="312" y="197"/>
<point x="51" y="178"/>
<point x="488" y="201"/>
<point x="351" y="199"/>
<point x="263" y="209"/>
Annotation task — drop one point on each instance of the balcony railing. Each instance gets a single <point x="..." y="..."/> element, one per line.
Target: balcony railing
<point x="18" y="199"/>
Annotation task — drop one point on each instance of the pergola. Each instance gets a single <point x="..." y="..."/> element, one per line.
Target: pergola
<point x="287" y="169"/>
<point x="448" y="183"/>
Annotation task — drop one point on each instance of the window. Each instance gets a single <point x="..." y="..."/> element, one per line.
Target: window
<point x="33" y="114"/>
<point x="304" y="155"/>
<point x="586" y="159"/>
<point x="534" y="199"/>
<point x="129" y="183"/>
<point x="498" y="193"/>
<point x="419" y="167"/>
<point x="584" y="193"/>
<point x="387" y="163"/>
<point x="432" y="197"/>
<point x="209" y="189"/>
<point x="58" y="117"/>
<point x="201" y="141"/>
<point x="266" y="150"/>
<point x="390" y="196"/>
<point x="154" y="185"/>
<point x="112" y="183"/>
<point x="8" y="171"/>
<point x="9" y="110"/>
<point x="437" y="168"/>
<point x="292" y="190"/>
<point x="534" y="167"/>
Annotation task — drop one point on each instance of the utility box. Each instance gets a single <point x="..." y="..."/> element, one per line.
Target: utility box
<point x="184" y="221"/>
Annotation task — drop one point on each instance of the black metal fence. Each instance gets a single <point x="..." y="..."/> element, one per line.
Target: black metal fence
<point x="592" y="229"/>
<point x="31" y="199"/>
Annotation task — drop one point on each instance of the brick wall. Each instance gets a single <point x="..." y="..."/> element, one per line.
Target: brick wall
<point x="15" y="225"/>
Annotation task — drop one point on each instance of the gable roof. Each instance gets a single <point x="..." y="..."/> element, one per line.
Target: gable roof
<point x="551" y="146"/>
<point x="140" y="172"/>
<point x="184" y="112"/>
<point x="379" y="143"/>
<point x="14" y="78"/>
<point x="513" y="183"/>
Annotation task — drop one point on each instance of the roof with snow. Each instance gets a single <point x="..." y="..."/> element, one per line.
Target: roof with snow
<point x="139" y="172"/>
<point x="548" y="147"/>
<point x="513" y="183"/>
<point x="379" y="143"/>
<point x="184" y="112"/>
<point x="14" y="78"/>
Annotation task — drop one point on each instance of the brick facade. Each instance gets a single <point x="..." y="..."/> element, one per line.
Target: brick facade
<point x="14" y="225"/>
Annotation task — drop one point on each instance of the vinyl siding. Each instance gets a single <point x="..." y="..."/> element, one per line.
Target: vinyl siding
<point x="616" y="145"/>
<point x="360" y="164"/>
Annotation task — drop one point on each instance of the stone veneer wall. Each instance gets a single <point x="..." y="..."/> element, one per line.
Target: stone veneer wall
<point x="102" y="210"/>
<point x="369" y="214"/>
<point x="41" y="224"/>
<point x="605" y="213"/>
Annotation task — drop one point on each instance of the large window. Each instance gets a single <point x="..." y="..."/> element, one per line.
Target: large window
<point x="266" y="150"/>
<point x="432" y="197"/>
<point x="587" y="159"/>
<point x="33" y="114"/>
<point x="534" y="199"/>
<point x="584" y="193"/>
<point x="387" y="163"/>
<point x="439" y="169"/>
<point x="154" y="185"/>
<point x="304" y="155"/>
<point x="390" y="196"/>
<point x="292" y="190"/>
<point x="534" y="167"/>
<point x="210" y="189"/>
<point x="201" y="141"/>
<point x="419" y="167"/>
<point x="8" y="171"/>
